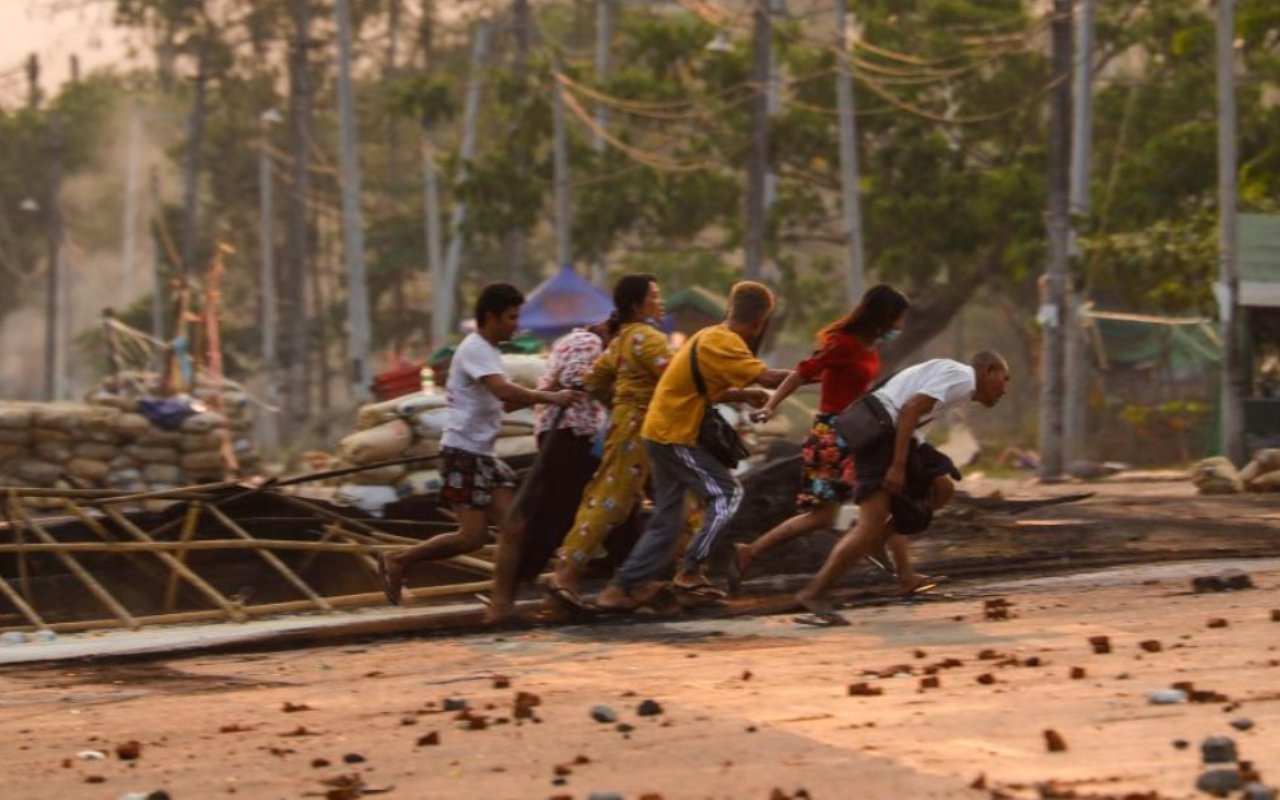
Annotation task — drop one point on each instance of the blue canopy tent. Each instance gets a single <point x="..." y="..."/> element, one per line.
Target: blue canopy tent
<point x="563" y="302"/>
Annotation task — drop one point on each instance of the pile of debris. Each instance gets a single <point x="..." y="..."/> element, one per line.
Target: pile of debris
<point x="126" y="440"/>
<point x="1218" y="475"/>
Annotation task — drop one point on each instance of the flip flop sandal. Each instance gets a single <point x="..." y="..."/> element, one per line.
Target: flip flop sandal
<point x="393" y="593"/>
<point x="633" y="603"/>
<point x="929" y="583"/>
<point x="568" y="600"/>
<point x="822" y="619"/>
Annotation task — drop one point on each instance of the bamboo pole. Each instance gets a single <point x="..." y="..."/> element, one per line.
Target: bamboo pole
<point x="466" y="562"/>
<point x="169" y="548"/>
<point x="189" y="523"/>
<point x="20" y="604"/>
<point x="95" y="525"/>
<point x="234" y="612"/>
<point x="273" y="560"/>
<point x="19" y="539"/>
<point x="267" y="609"/>
<point x="95" y="588"/>
<point x="113" y="496"/>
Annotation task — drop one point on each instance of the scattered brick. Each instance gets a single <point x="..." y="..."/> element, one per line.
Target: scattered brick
<point x="930" y="682"/>
<point x="1054" y="742"/>
<point x="1101" y="644"/>
<point x="429" y="740"/>
<point x="501" y="682"/>
<point x="1217" y="622"/>
<point x="129" y="751"/>
<point x="1151" y="646"/>
<point x="986" y="679"/>
<point x="1077" y="673"/>
<point x="864" y="690"/>
<point x="293" y="708"/>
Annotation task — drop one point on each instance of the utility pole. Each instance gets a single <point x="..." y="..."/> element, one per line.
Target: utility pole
<point x="758" y="155"/>
<point x="1228" y="254"/>
<point x="298" y="240"/>
<point x="358" y="324"/>
<point x="1075" y="415"/>
<point x="267" y="242"/>
<point x="522" y="30"/>
<point x="435" y="248"/>
<point x="53" y="388"/>
<point x="132" y="189"/>
<point x="34" y="94"/>
<point x="195" y="143"/>
<point x="560" y="156"/>
<point x="856" y="282"/>
<point x="604" y="43"/>
<point x="157" y="261"/>
<point x="604" y="66"/>
<point x="444" y="306"/>
<point x="1053" y="302"/>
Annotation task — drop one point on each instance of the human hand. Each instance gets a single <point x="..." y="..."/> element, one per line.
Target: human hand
<point x="756" y="398"/>
<point x="567" y="397"/>
<point x="895" y="479"/>
<point x="763" y="415"/>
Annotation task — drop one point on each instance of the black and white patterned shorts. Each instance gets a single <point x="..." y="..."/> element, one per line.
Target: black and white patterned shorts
<point x="470" y="479"/>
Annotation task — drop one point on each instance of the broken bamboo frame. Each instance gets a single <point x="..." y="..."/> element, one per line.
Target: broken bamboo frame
<point x="233" y="611"/>
<point x="91" y="583"/>
<point x="266" y="609"/>
<point x="466" y="562"/>
<point x="189" y="523"/>
<point x="272" y="559"/>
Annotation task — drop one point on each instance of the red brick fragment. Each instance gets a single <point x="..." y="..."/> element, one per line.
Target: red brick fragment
<point x="1217" y="622"/>
<point x="986" y="679"/>
<point x="1054" y="742"/>
<point x="429" y="740"/>
<point x="1077" y="673"/>
<point x="1101" y="644"/>
<point x="930" y="682"/>
<point x="1151" y="646"/>
<point x="864" y="690"/>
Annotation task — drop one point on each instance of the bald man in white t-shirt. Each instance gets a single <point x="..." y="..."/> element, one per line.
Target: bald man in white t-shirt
<point x="901" y="479"/>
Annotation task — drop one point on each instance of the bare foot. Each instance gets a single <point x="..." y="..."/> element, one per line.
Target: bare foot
<point x="815" y="603"/>
<point x="616" y="598"/>
<point x="502" y="615"/>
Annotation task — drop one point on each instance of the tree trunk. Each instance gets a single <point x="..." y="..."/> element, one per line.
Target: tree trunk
<point x="299" y="195"/>
<point x="191" y="177"/>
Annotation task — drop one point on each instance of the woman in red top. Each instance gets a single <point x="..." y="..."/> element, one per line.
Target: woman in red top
<point x="846" y="362"/>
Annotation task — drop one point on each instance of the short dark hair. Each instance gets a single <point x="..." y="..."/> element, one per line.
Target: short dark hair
<point x="749" y="302"/>
<point x="984" y="360"/>
<point x="495" y="299"/>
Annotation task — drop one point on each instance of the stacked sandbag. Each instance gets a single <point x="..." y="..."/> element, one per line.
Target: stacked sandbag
<point x="1217" y="475"/>
<point x="108" y="443"/>
<point x="412" y="425"/>
<point x="1262" y="474"/>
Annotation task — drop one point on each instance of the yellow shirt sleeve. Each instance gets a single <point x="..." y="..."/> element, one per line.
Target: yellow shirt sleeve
<point x="723" y="354"/>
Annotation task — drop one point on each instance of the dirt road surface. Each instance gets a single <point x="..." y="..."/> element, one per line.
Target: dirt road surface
<point x="751" y="707"/>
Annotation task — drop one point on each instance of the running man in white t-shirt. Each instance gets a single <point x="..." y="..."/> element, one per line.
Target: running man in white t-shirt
<point x="901" y="480"/>
<point x="477" y="484"/>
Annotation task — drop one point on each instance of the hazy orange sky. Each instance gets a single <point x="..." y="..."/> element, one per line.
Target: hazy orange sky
<point x="26" y="26"/>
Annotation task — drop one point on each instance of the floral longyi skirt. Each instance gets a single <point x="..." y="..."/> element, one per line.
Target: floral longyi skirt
<point x="828" y="466"/>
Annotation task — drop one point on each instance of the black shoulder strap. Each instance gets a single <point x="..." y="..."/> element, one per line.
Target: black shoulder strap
<point x="698" y="382"/>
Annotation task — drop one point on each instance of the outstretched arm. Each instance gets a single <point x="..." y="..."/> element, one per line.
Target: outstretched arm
<point x="514" y="395"/>
<point x="794" y="381"/>
<point x="915" y="408"/>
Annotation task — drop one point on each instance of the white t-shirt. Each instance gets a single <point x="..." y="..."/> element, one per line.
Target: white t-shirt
<point x="475" y="413"/>
<point x="949" y="382"/>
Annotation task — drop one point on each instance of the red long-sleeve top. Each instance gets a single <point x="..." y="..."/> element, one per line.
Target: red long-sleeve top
<point x="846" y="369"/>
